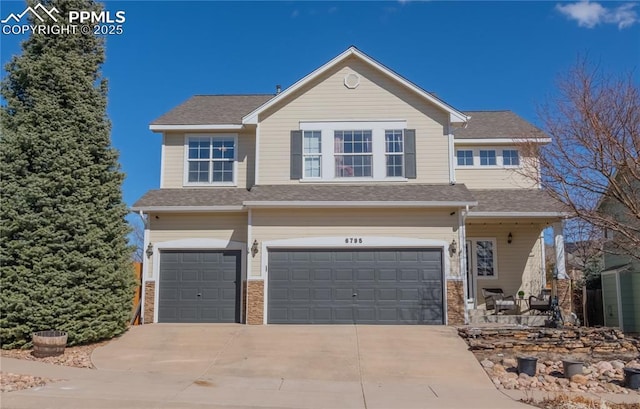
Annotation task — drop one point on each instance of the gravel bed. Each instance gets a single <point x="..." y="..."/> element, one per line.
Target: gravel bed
<point x="77" y="357"/>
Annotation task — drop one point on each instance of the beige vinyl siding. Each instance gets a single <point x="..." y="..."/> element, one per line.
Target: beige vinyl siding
<point x="376" y="98"/>
<point x="280" y="224"/>
<point x="174" y="159"/>
<point x="478" y="177"/>
<point x="519" y="263"/>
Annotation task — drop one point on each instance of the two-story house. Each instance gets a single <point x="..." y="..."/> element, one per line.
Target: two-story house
<point x="353" y="196"/>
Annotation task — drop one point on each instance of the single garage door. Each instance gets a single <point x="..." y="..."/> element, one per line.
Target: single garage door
<point x="199" y="286"/>
<point x="381" y="286"/>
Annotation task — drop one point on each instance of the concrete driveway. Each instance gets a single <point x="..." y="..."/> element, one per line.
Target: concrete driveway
<point x="292" y="366"/>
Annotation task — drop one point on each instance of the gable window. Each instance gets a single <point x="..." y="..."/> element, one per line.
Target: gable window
<point x="353" y="153"/>
<point x="394" y="149"/>
<point x="312" y="153"/>
<point x="211" y="159"/>
<point x="483" y="257"/>
<point x="488" y="158"/>
<point x="510" y="157"/>
<point x="465" y="157"/>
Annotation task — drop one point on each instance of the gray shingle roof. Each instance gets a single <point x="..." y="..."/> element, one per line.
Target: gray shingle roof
<point x="212" y="109"/>
<point x="497" y="124"/>
<point x="170" y="198"/>
<point x="362" y="193"/>
<point x="514" y="200"/>
<point x="192" y="198"/>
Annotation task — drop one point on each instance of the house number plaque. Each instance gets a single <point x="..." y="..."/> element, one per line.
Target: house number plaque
<point x="353" y="240"/>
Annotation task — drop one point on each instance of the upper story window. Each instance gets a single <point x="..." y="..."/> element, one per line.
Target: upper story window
<point x="510" y="157"/>
<point x="211" y="159"/>
<point x="394" y="149"/>
<point x="312" y="153"/>
<point x="465" y="157"/>
<point x="343" y="151"/>
<point x="353" y="152"/>
<point x="488" y="158"/>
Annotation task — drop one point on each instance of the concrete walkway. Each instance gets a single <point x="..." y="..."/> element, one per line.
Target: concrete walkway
<point x="236" y="366"/>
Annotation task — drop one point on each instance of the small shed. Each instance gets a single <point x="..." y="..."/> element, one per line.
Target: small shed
<point x="621" y="298"/>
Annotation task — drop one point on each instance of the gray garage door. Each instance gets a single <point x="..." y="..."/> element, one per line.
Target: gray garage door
<point x="199" y="286"/>
<point x="399" y="286"/>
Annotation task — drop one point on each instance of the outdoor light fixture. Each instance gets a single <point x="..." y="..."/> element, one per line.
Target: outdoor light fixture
<point x="254" y="248"/>
<point x="453" y="246"/>
<point x="149" y="250"/>
<point x="509" y="238"/>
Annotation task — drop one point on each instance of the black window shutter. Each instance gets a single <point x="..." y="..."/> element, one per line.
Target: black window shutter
<point x="296" y="155"/>
<point x="410" y="153"/>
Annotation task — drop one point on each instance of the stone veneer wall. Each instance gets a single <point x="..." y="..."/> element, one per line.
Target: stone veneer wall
<point x="563" y="288"/>
<point x="149" y="301"/>
<point x="255" y="301"/>
<point x="455" y="302"/>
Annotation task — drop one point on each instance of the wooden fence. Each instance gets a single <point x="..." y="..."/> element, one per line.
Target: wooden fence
<point x="137" y="297"/>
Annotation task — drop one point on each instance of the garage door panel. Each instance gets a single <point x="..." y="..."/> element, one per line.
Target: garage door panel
<point x="199" y="286"/>
<point x="390" y="286"/>
<point x="299" y="274"/>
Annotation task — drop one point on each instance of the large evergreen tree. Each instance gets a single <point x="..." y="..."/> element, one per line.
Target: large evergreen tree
<point x="65" y="261"/>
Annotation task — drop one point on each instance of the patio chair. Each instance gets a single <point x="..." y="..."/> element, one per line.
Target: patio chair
<point x="495" y="300"/>
<point x="541" y="303"/>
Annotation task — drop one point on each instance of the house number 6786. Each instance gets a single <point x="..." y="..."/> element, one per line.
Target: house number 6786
<point x="353" y="240"/>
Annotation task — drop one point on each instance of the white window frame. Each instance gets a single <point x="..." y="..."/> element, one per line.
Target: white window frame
<point x="344" y="155"/>
<point x="379" y="162"/>
<point x="387" y="154"/>
<point x="473" y="159"/>
<point x="512" y="150"/>
<point x="474" y="257"/>
<point x="308" y="155"/>
<point x="499" y="157"/>
<point x="211" y="137"/>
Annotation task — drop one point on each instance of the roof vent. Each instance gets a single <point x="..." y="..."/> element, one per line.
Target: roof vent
<point x="278" y="89"/>
<point x="351" y="80"/>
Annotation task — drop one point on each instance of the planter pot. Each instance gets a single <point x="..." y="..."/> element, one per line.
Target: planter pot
<point x="632" y="378"/>
<point x="527" y="364"/>
<point x="49" y="343"/>
<point x="571" y="368"/>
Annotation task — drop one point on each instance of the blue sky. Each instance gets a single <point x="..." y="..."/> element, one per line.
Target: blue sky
<point x="474" y="55"/>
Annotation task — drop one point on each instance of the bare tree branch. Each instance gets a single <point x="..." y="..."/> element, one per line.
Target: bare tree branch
<point x="592" y="165"/>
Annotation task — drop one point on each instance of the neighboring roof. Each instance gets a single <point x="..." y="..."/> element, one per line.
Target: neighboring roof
<point x="417" y="195"/>
<point x="454" y="114"/>
<point x="501" y="202"/>
<point x="497" y="124"/>
<point x="191" y="199"/>
<point x="212" y="110"/>
<point x="373" y="194"/>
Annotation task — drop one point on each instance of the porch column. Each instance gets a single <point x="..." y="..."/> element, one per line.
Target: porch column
<point x="563" y="283"/>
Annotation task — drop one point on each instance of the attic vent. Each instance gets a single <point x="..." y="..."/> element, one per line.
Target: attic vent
<point x="351" y="80"/>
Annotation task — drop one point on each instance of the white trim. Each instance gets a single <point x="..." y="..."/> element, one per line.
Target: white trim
<point x="145" y="263"/>
<point x="498" y="141"/>
<point x="454" y="115"/>
<point x="462" y="255"/>
<point x="453" y="160"/>
<point x="558" y="239"/>
<point x="256" y="157"/>
<point x="178" y="209"/>
<point x="211" y="136"/>
<point x="195" y="244"/>
<point x="473" y="214"/>
<point x="619" y="299"/>
<point x="339" y="243"/>
<point x="248" y="260"/>
<point x="474" y="265"/>
<point x="162" y="160"/>
<point x="312" y="204"/>
<point x="208" y="127"/>
<point x="543" y="254"/>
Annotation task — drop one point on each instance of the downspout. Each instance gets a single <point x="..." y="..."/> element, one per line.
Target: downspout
<point x="452" y="171"/>
<point x="462" y="236"/>
<point x="145" y="222"/>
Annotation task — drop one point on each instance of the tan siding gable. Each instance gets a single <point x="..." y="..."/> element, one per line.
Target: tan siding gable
<point x="377" y="97"/>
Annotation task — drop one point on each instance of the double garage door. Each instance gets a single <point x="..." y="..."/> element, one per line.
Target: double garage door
<point x="364" y="286"/>
<point x="399" y="286"/>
